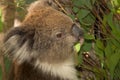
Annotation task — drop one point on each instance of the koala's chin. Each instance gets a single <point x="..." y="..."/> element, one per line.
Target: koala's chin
<point x="42" y="45"/>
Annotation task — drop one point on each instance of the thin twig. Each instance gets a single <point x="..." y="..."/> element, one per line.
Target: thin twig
<point x="57" y="2"/>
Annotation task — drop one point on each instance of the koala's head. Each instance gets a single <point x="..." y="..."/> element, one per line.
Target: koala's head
<point x="46" y="35"/>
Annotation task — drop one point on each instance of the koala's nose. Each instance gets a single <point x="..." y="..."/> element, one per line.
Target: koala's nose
<point x="77" y="31"/>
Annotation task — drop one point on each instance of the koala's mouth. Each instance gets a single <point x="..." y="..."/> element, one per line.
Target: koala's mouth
<point x="81" y="40"/>
<point x="78" y="44"/>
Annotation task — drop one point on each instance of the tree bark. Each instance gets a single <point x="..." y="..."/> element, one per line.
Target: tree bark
<point x="8" y="14"/>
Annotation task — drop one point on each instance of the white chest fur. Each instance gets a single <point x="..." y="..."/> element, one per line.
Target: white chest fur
<point x="64" y="70"/>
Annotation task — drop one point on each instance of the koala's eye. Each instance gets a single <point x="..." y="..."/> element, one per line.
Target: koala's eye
<point x="59" y="34"/>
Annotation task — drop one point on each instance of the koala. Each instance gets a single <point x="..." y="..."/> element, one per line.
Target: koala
<point x="42" y="45"/>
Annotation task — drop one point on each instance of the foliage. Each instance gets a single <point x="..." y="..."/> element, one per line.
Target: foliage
<point x="107" y="43"/>
<point x="21" y="8"/>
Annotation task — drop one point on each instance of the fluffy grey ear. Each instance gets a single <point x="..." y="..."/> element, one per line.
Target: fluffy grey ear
<point x="18" y="43"/>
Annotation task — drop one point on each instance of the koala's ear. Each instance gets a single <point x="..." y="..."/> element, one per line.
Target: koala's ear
<point x="18" y="43"/>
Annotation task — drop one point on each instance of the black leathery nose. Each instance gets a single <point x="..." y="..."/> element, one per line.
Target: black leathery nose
<point x="77" y="31"/>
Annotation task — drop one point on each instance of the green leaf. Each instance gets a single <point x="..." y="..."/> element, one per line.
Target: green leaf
<point x="116" y="31"/>
<point x="87" y="46"/>
<point x="89" y="19"/>
<point x="116" y="43"/>
<point x="83" y="13"/>
<point x="110" y="20"/>
<point x="85" y="17"/>
<point x="84" y="3"/>
<point x="109" y="50"/>
<point x="99" y="44"/>
<point x="77" y="2"/>
<point x="100" y="53"/>
<point x="72" y="16"/>
<point x="117" y="72"/>
<point x="113" y="61"/>
<point x="89" y="37"/>
<point x="75" y="9"/>
<point x="87" y="4"/>
<point x="80" y="60"/>
<point x="77" y="47"/>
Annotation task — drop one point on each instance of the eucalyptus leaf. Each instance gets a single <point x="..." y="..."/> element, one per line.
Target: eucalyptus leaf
<point x="108" y="50"/>
<point x="89" y="37"/>
<point x="113" y="61"/>
<point x="85" y="17"/>
<point x="99" y="53"/>
<point x="110" y="21"/>
<point x="77" y="2"/>
<point x="75" y="9"/>
<point x="87" y="46"/>
<point x="99" y="44"/>
<point x="82" y="13"/>
<point x="72" y="16"/>
<point x="77" y="47"/>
